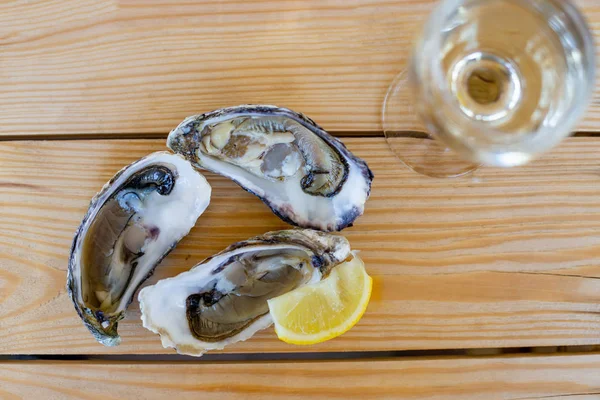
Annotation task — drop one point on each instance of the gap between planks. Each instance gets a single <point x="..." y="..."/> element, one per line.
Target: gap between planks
<point x="153" y="135"/>
<point x="312" y="356"/>
<point x="150" y="135"/>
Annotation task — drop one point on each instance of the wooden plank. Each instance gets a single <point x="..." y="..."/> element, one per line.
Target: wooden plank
<point x="522" y="377"/>
<point x="500" y="258"/>
<point x="133" y="66"/>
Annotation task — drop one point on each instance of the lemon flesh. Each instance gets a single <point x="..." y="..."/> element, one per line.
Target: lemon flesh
<point x="323" y="310"/>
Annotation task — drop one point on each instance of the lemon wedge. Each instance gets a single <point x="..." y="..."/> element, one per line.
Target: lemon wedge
<point x="323" y="310"/>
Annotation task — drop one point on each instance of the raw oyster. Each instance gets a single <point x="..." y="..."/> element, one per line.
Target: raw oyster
<point x="306" y="176"/>
<point x="137" y="218"/>
<point x="223" y="300"/>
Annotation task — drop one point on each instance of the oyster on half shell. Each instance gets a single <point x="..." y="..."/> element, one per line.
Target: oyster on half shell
<point x="137" y="218"/>
<point x="223" y="300"/>
<point x="307" y="177"/>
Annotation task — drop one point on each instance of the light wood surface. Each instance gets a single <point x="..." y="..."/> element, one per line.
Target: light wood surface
<point x="138" y="66"/>
<point x="517" y="378"/>
<point x="500" y="258"/>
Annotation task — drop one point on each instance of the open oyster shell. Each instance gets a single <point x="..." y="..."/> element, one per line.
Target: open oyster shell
<point x="223" y="300"/>
<point x="307" y="177"/>
<point x="137" y="218"/>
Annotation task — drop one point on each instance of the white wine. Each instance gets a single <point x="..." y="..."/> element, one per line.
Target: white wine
<point x="501" y="81"/>
<point x="508" y="67"/>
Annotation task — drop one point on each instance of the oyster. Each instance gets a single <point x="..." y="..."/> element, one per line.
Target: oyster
<point x="223" y="300"/>
<point x="307" y="177"/>
<point x="131" y="225"/>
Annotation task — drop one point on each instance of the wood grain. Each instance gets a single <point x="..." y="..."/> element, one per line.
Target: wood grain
<point x="500" y="258"/>
<point x="133" y="66"/>
<point x="560" y="377"/>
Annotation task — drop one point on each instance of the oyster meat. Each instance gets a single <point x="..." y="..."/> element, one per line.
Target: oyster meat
<point x="306" y="176"/>
<point x="137" y="218"/>
<point x="223" y="300"/>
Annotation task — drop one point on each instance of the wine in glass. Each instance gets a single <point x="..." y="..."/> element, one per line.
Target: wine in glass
<point x="494" y="82"/>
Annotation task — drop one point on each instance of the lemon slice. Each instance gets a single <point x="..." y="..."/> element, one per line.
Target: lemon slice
<point x="323" y="310"/>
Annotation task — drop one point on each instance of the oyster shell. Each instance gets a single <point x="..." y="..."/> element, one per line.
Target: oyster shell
<point x="223" y="300"/>
<point x="307" y="177"/>
<point x="137" y="218"/>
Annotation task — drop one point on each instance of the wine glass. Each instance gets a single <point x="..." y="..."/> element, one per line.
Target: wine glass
<point x="494" y="82"/>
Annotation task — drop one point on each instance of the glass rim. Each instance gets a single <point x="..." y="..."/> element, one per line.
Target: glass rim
<point x="431" y="31"/>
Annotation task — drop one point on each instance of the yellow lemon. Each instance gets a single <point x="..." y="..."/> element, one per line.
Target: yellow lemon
<point x="326" y="309"/>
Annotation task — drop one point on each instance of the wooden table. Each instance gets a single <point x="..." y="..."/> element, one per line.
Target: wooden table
<point x="484" y="287"/>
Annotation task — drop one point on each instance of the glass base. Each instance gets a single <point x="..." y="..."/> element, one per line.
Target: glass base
<point x="408" y="138"/>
